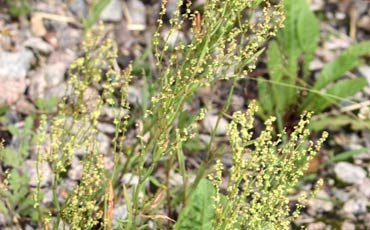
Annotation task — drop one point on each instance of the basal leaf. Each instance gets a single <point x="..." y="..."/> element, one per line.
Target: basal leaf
<point x="198" y="213"/>
<point x="308" y="31"/>
<point x="341" y="89"/>
<point x="264" y="95"/>
<point x="345" y="62"/>
<point x="308" y="36"/>
<point x="338" y="121"/>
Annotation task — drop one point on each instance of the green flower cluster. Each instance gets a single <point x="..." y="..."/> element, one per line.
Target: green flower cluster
<point x="264" y="172"/>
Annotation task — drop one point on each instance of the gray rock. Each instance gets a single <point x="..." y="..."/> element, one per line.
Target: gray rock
<point x="237" y="102"/>
<point x="130" y="179"/>
<point x="136" y="15"/>
<point x="79" y="7"/>
<point x="316" y="5"/>
<point x="316" y="64"/>
<point x="15" y="65"/>
<point x="348" y="226"/>
<point x="112" y="12"/>
<point x="30" y="170"/>
<point x="210" y="121"/>
<point x="356" y="206"/>
<point x="104" y="143"/>
<point x="364" y="187"/>
<point x="106" y="128"/>
<point x="13" y="70"/>
<point x="349" y="173"/>
<point x="320" y="204"/>
<point x="316" y="226"/>
<point x="119" y="213"/>
<point x="364" y="22"/>
<point x="75" y="173"/>
<point x="38" y="44"/>
<point x="134" y="95"/>
<point x="365" y="71"/>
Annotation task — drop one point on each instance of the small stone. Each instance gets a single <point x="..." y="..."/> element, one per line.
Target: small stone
<point x="24" y="106"/>
<point x="119" y="213"/>
<point x="355" y="206"/>
<point x="106" y="128"/>
<point x="30" y="170"/>
<point x="48" y="197"/>
<point x="316" y="226"/>
<point x="136" y="19"/>
<point x="13" y="70"/>
<point x="364" y="23"/>
<point x="316" y="64"/>
<point x="341" y="195"/>
<point x="38" y="44"/>
<point x="134" y="95"/>
<point x="28" y="227"/>
<point x="316" y="5"/>
<point x="113" y="112"/>
<point x="349" y="173"/>
<point x="112" y="12"/>
<point x="108" y="163"/>
<point x="320" y="204"/>
<point x="348" y="226"/>
<point x="57" y="66"/>
<point x="130" y="179"/>
<point x="205" y="138"/>
<point x="79" y="8"/>
<point x="104" y="143"/>
<point x="210" y="121"/>
<point x="75" y="173"/>
<point x="174" y="38"/>
<point x="237" y="102"/>
<point x="365" y="71"/>
<point x="364" y="187"/>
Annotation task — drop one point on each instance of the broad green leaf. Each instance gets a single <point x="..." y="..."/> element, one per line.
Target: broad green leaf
<point x="346" y="155"/>
<point x="287" y="37"/>
<point x="342" y="89"/>
<point x="345" y="62"/>
<point x="10" y="157"/>
<point x="336" y="122"/>
<point x="264" y="95"/>
<point x="308" y="35"/>
<point x="198" y="213"/>
<point x="276" y="71"/>
<point x="46" y="104"/>
<point x="275" y="61"/>
<point x="307" y="31"/>
<point x="335" y="70"/>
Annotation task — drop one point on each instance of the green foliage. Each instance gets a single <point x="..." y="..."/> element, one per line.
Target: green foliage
<point x="96" y="7"/>
<point x="263" y="174"/>
<point x="46" y="104"/>
<point x="280" y="95"/>
<point x="18" y="7"/>
<point x="199" y="213"/>
<point x="226" y="43"/>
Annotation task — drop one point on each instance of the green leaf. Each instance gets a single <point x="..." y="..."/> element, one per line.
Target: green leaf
<point x="342" y="89"/>
<point x="335" y="70"/>
<point x="198" y="213"/>
<point x="275" y="61"/>
<point x="336" y="122"/>
<point x="287" y="38"/>
<point x="264" y="95"/>
<point x="346" y="155"/>
<point x="345" y="62"/>
<point x="308" y="35"/>
<point x="10" y="157"/>
<point x="307" y="31"/>
<point x="46" y="104"/>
